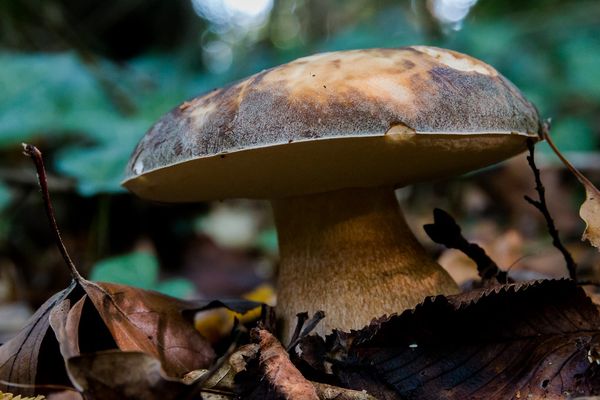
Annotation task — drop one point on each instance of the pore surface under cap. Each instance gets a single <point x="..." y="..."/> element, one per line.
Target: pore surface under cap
<point x="334" y="120"/>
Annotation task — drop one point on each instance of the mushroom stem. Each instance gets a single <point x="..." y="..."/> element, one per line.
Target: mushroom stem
<point x="351" y="254"/>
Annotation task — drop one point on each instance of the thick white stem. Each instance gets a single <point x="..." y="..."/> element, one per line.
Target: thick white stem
<point x="351" y="254"/>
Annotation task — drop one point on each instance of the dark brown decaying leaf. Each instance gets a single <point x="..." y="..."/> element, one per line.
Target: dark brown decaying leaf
<point x="123" y="375"/>
<point x="21" y="356"/>
<point x="512" y="341"/>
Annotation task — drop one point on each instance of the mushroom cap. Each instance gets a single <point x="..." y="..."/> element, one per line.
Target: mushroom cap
<point x="360" y="118"/>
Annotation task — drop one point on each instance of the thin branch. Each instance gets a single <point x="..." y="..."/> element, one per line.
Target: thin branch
<point x="543" y="208"/>
<point x="33" y="152"/>
<point x="308" y="328"/>
<point x="301" y="319"/>
<point x="446" y="231"/>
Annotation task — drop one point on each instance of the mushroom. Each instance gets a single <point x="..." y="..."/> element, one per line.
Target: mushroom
<point x="327" y="138"/>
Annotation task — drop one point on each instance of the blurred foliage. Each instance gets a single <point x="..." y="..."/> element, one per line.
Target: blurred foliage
<point x="61" y="96"/>
<point x="100" y="107"/>
<point x="5" y="196"/>
<point x="84" y="79"/>
<point x="139" y="269"/>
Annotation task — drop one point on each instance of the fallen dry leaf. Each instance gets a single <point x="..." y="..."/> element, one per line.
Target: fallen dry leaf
<point x="150" y="322"/>
<point x="117" y="316"/>
<point x="123" y="375"/>
<point x="21" y="357"/>
<point x="590" y="209"/>
<point x="533" y="340"/>
<point x="64" y="321"/>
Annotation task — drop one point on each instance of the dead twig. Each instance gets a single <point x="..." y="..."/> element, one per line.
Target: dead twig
<point x="543" y="208"/>
<point x="36" y="155"/>
<point x="446" y="231"/>
<point x="301" y="319"/>
<point x="308" y="328"/>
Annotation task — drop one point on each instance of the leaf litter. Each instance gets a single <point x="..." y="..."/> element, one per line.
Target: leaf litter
<point x="136" y="319"/>
<point x="514" y="340"/>
<point x="525" y="339"/>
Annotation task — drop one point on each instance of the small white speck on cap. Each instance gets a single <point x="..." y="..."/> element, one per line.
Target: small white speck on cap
<point x="413" y="346"/>
<point x="138" y="167"/>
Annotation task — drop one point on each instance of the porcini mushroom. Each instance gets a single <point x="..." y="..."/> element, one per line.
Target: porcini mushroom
<point x="327" y="138"/>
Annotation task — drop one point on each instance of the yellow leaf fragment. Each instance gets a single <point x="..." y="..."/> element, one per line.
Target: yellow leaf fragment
<point x="590" y="209"/>
<point x="10" y="396"/>
<point x="216" y="324"/>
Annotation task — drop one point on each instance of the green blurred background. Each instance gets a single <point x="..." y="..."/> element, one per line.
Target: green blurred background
<point x="84" y="79"/>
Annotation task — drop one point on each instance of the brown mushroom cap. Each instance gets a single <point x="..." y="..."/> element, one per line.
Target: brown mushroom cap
<point x="356" y="118"/>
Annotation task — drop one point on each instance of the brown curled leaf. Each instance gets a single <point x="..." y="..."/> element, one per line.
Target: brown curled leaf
<point x="150" y="322"/>
<point x="279" y="370"/>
